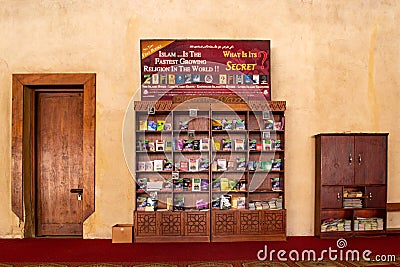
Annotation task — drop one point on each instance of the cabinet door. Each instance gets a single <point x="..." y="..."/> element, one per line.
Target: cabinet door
<point x="273" y="221"/>
<point x="376" y="197"/>
<point x="331" y="197"/>
<point x="224" y="222"/>
<point x="145" y="223"/>
<point x="370" y="159"/>
<point x="337" y="160"/>
<point x="197" y="223"/>
<point x="170" y="223"/>
<point x="249" y="222"/>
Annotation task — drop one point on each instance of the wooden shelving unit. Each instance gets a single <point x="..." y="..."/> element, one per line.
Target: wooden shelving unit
<point x="350" y="187"/>
<point x="253" y="178"/>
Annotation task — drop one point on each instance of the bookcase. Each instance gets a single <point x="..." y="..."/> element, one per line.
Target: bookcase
<point x="209" y="171"/>
<point x="350" y="187"/>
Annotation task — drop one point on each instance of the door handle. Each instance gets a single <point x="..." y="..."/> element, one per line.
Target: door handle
<point x="78" y="191"/>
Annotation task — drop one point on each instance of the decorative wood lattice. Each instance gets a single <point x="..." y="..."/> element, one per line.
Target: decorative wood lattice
<point x="249" y="222"/>
<point x="270" y="105"/>
<point x="273" y="222"/>
<point x="146" y="224"/>
<point x="158" y="105"/>
<point x="171" y="223"/>
<point x="225" y="223"/>
<point x="196" y="224"/>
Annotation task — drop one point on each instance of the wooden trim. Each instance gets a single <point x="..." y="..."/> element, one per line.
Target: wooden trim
<point x="392" y="206"/>
<point x="20" y="82"/>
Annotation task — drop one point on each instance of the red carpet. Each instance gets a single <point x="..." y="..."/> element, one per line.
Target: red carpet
<point x="100" y="250"/>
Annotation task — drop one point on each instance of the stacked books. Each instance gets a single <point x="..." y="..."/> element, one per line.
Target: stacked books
<point x="352" y="203"/>
<point x="368" y="224"/>
<point x="336" y="225"/>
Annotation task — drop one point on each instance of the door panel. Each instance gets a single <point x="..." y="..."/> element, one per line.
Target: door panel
<point x="331" y="197"/>
<point x="370" y="163"/>
<point x="59" y="137"/>
<point x="337" y="160"/>
<point x="376" y="197"/>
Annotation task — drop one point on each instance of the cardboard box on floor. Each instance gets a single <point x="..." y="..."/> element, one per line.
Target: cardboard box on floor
<point x="122" y="233"/>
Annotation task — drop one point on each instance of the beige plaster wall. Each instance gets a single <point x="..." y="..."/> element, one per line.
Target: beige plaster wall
<point x="336" y="63"/>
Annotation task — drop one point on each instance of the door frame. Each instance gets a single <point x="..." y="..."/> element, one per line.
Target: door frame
<point x="22" y="152"/>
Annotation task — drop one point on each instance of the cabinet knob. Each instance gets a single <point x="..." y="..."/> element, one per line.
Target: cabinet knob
<point x="359" y="159"/>
<point x="338" y="196"/>
<point x="370" y="195"/>
<point x="350" y="159"/>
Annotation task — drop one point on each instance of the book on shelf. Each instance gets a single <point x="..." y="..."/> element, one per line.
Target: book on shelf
<point x="242" y="185"/>
<point x="240" y="124"/>
<point x="158" y="165"/>
<point x="241" y="202"/>
<point x="160" y="145"/>
<point x="160" y="125"/>
<point x="167" y="164"/>
<point x="231" y="165"/>
<point x="241" y="164"/>
<point x="196" y="184"/>
<point x="268" y="144"/>
<point x="214" y="166"/>
<point x="217" y="144"/>
<point x="201" y="204"/>
<point x="204" y="184"/>
<point x="141" y="166"/>
<point x="179" y="203"/>
<point x="196" y="145"/>
<point x="234" y="202"/>
<point x="275" y="184"/>
<point x="183" y="125"/>
<point x="149" y="166"/>
<point x="225" y="202"/>
<point x="151" y="126"/>
<point x="169" y="203"/>
<point x="168" y="146"/>
<point x="278" y="145"/>
<point x="145" y="145"/>
<point x="167" y="185"/>
<point x="167" y="126"/>
<point x="216" y="124"/>
<point x="141" y="203"/>
<point x="268" y="124"/>
<point x="177" y="184"/>
<point x="276" y="165"/>
<point x="142" y="125"/>
<point x="227" y="124"/>
<point x="186" y="184"/>
<point x="142" y="183"/>
<point x="187" y="145"/>
<point x="216" y="202"/>
<point x="154" y="185"/>
<point x="239" y="144"/>
<point x="221" y="165"/>
<point x="278" y="125"/>
<point x="204" y="164"/>
<point x="193" y="165"/>
<point x="152" y="147"/>
<point x="224" y="184"/>
<point x="265" y="165"/>
<point x="226" y="144"/>
<point x="179" y="143"/>
<point x="251" y="165"/>
<point x="232" y="184"/>
<point x="204" y="144"/>
<point x="253" y="144"/>
<point x="259" y="147"/>
<point x="184" y="166"/>
<point x="216" y="184"/>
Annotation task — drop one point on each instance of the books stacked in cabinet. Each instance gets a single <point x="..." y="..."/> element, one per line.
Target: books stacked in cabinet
<point x="209" y="172"/>
<point x="350" y="188"/>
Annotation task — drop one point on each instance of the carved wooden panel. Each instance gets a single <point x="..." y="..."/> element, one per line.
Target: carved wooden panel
<point x="249" y="222"/>
<point x="197" y="223"/>
<point x="158" y="105"/>
<point x="145" y="224"/>
<point x="170" y="223"/>
<point x="273" y="221"/>
<point x="224" y="222"/>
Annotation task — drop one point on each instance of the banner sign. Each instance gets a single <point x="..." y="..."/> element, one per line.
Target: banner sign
<point x="205" y="67"/>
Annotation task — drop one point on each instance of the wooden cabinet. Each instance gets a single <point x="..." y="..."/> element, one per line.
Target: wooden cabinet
<point x="210" y="172"/>
<point x="350" y="186"/>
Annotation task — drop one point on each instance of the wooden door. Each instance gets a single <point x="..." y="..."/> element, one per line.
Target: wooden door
<point x="370" y="159"/>
<point x="59" y="157"/>
<point x="331" y="197"/>
<point x="375" y="197"/>
<point x="337" y="160"/>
